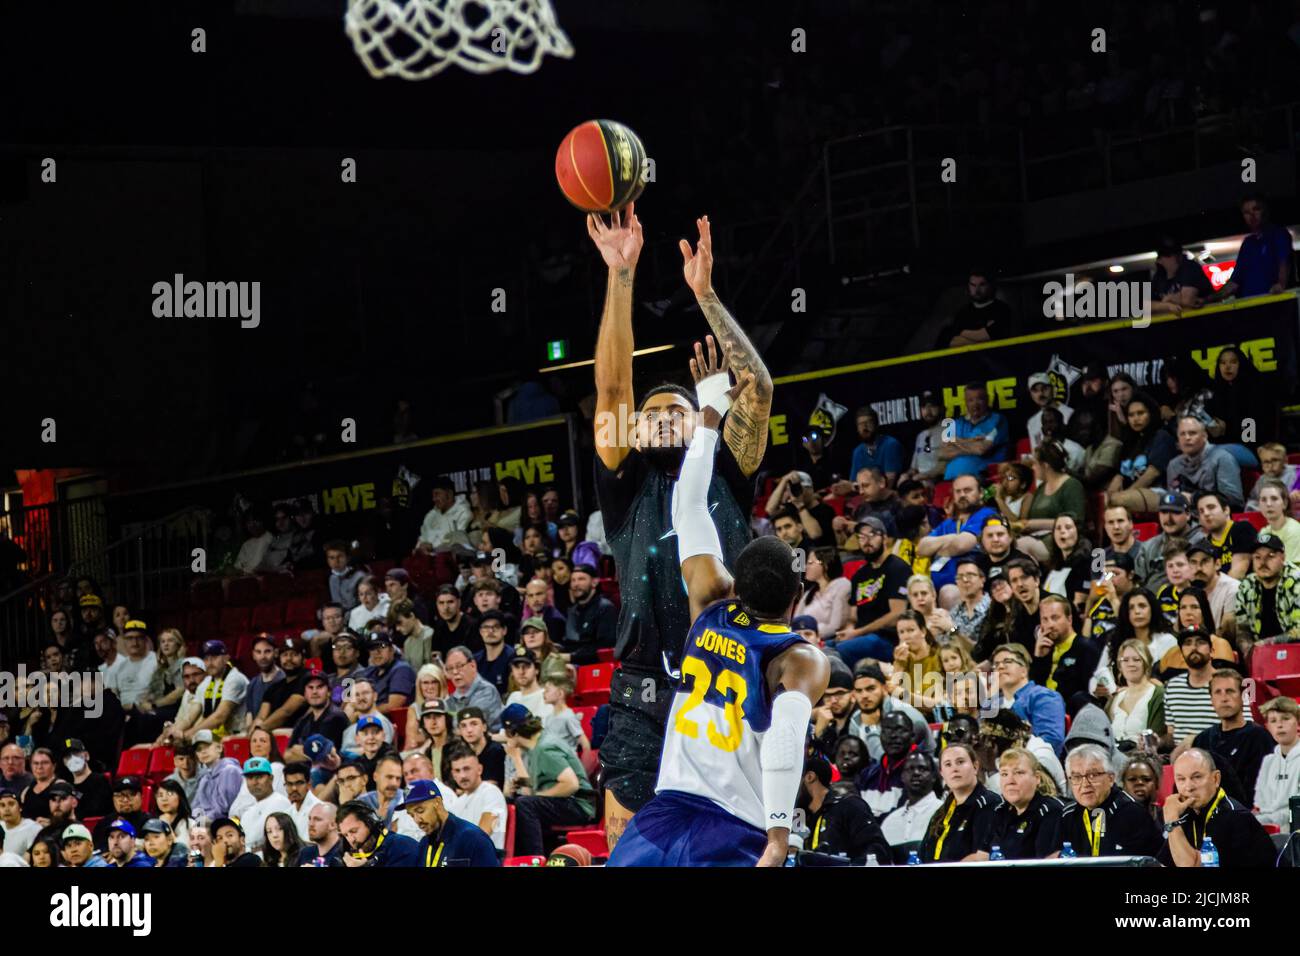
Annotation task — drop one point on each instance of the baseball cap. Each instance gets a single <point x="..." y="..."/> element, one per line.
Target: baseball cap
<point x="90" y="600"/>
<point x="492" y="615"/>
<point x="369" y="720"/>
<point x="155" y="825"/>
<point x="804" y="622"/>
<point x="256" y="765"/>
<point x="567" y="520"/>
<point x="73" y="746"/>
<point x="214" y="647"/>
<point x="465" y="713"/>
<point x="585" y="568"/>
<point x="379" y="638"/>
<point x="125" y="784"/>
<point x="514" y="716"/>
<point x="522" y="655"/>
<point x="1040" y="378"/>
<point x="433" y="707"/>
<point x="221" y="822"/>
<point x="135" y="626"/>
<point x="1202" y="547"/>
<point x="317" y="677"/>
<point x="75" y="831"/>
<point x="61" y="788"/>
<point x="1173" y="503"/>
<point x="318" y="747"/>
<point x="398" y="574"/>
<point x="124" y="826"/>
<point x="1195" y="634"/>
<point x="930" y="397"/>
<point x="536" y="623"/>
<point x="289" y="643"/>
<point x="11" y="792"/>
<point x="193" y="662"/>
<point x="449" y="589"/>
<point x="870" y="521"/>
<point x="1270" y="541"/>
<point x="482" y="557"/>
<point x="841" y="678"/>
<point x="1120" y="559"/>
<point x="204" y="737"/>
<point x="420" y="791"/>
<point x="804" y="478"/>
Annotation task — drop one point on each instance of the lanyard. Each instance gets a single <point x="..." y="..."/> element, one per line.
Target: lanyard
<point x="1094" y="839"/>
<point x="431" y="858"/>
<point x="947" y="820"/>
<point x="1196" y="841"/>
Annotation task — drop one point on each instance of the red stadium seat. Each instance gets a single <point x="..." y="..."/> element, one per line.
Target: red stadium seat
<point x="1022" y="448"/>
<point x="233" y="620"/>
<point x="146" y="797"/>
<point x="608" y="587"/>
<point x="851" y="567"/>
<point x="162" y="761"/>
<point x="267" y="617"/>
<point x="243" y="591"/>
<point x="314" y="665"/>
<point x="398" y="717"/>
<point x="942" y="492"/>
<point x="236" y="747"/>
<point x="282" y="737"/>
<point x="300" y="613"/>
<point x="607" y="568"/>
<point x="592" y="686"/>
<point x="206" y="592"/>
<point x="241" y="650"/>
<point x="173" y="601"/>
<point x="311" y="582"/>
<point x="204" y="623"/>
<point x="605" y="655"/>
<point x="510" y="829"/>
<point x="591" y="762"/>
<point x="1293" y="458"/>
<point x="1146" y="530"/>
<point x="592" y="838"/>
<point x="1255" y="518"/>
<point x="133" y="762"/>
<point x="276" y="587"/>
<point x="1166" y="785"/>
<point x="586" y="715"/>
<point x="380" y="568"/>
<point x="173" y="620"/>
<point x="91" y="822"/>
<point x="1277" y="665"/>
<point x="524" y="860"/>
<point x="991" y="471"/>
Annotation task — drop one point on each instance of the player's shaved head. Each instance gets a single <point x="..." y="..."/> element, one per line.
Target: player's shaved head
<point x="766" y="581"/>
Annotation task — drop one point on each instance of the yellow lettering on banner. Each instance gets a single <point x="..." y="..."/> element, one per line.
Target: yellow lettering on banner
<point x="334" y="500"/>
<point x="1206" y="358"/>
<point x="776" y="430"/>
<point x="348" y="498"/>
<point x="1262" y="352"/>
<point x="1002" y="393"/>
<point x="954" y="401"/>
<point x="367" y="495"/>
<point x="529" y="470"/>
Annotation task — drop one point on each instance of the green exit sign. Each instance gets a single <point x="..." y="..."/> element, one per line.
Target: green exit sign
<point x="557" y="350"/>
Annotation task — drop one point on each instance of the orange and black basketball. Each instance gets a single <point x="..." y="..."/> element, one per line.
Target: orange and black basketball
<point x="599" y="166"/>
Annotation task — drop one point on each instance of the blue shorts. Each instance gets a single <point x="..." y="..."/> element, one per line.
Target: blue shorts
<point x="681" y="829"/>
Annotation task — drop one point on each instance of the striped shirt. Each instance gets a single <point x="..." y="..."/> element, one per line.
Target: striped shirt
<point x="1189" y="709"/>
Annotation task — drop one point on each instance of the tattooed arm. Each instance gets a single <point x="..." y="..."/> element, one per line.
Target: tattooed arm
<point x="745" y="430"/>
<point x="620" y="246"/>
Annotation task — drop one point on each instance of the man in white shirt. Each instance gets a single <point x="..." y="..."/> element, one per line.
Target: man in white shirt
<point x="297" y="787"/>
<point x="136" y="669"/>
<point x="481" y="803"/>
<point x="253" y="551"/>
<point x="925" y="453"/>
<point x="259" y="779"/>
<point x="221" y="695"/>
<point x="1043" y="394"/>
<point x="19" y="832"/>
<point x="112" y="661"/>
<point x="189" y="710"/>
<point x="447" y="522"/>
<point x="418" y="766"/>
<point x="1220" y="588"/>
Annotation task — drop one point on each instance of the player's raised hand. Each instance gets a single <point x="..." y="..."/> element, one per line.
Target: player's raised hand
<point x="620" y="240"/>
<point x="704" y="365"/>
<point x="697" y="266"/>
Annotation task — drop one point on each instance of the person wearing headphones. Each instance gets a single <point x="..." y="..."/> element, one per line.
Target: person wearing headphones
<point x="368" y="843"/>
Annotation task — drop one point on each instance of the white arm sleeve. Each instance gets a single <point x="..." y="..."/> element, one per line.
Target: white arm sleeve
<point x="782" y="757"/>
<point x="696" y="533"/>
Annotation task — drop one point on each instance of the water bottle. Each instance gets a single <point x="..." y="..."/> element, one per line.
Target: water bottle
<point x="1209" y="852"/>
<point x="1067" y="851"/>
<point x="196" y="858"/>
<point x="790" y="857"/>
<point x="996" y="853"/>
<point x="913" y="858"/>
<point x="871" y="860"/>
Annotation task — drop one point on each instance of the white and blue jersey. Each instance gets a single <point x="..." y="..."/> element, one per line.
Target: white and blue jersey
<point x="720" y="712"/>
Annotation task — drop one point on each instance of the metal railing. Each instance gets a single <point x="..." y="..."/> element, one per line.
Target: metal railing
<point x="137" y="570"/>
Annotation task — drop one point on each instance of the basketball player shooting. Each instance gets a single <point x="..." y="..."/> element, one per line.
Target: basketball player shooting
<point x="634" y="489"/>
<point x="733" y="753"/>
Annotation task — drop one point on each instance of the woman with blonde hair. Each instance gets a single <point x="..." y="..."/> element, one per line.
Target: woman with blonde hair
<point x="1139" y="703"/>
<point x="430" y="685"/>
<point x="1027" y="825"/>
<point x="165" y="687"/>
<point x="921" y="597"/>
<point x="918" y="674"/>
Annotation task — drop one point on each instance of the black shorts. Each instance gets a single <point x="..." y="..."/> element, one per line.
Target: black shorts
<point x="639" y="703"/>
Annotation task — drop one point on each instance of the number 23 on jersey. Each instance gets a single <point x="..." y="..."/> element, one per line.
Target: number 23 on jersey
<point x="727" y="681"/>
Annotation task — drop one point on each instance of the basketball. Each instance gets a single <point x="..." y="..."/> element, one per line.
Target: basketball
<point x="598" y="166"/>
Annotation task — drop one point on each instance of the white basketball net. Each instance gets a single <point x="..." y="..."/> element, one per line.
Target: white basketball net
<point x="415" y="39"/>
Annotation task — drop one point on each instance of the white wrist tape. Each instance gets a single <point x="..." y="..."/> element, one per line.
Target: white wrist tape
<point x="696" y="533"/>
<point x="782" y="757"/>
<point x="713" y="391"/>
